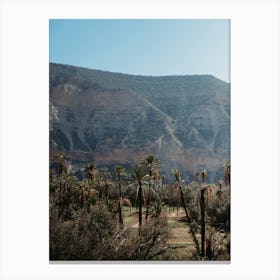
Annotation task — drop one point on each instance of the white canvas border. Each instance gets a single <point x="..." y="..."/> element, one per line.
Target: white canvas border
<point x="254" y="128"/>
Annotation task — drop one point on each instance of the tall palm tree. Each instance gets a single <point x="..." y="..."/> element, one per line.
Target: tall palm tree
<point x="106" y="178"/>
<point x="177" y="176"/>
<point x="90" y="171"/>
<point x="119" y="170"/>
<point x="152" y="163"/>
<point x="204" y="175"/>
<point x="227" y="173"/>
<point x="140" y="173"/>
<point x="68" y="184"/>
<point x="205" y="196"/>
<point x="219" y="191"/>
<point x="202" y="228"/>
<point x="196" y="175"/>
<point x="61" y="160"/>
<point x="81" y="193"/>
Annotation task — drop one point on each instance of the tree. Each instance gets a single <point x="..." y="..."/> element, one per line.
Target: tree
<point x="227" y="173"/>
<point x="90" y="171"/>
<point x="119" y="170"/>
<point x="177" y="176"/>
<point x="204" y="175"/>
<point x="82" y="193"/>
<point x="152" y="163"/>
<point x="106" y="177"/>
<point x="204" y="198"/>
<point x="61" y="160"/>
<point x="140" y="173"/>
<point x="196" y="175"/>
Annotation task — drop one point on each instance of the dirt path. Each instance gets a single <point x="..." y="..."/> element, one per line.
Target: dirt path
<point x="180" y="238"/>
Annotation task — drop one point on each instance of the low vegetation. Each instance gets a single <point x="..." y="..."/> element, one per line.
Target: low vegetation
<point x="124" y="215"/>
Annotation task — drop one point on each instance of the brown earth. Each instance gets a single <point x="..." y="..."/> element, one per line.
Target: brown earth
<point x="180" y="239"/>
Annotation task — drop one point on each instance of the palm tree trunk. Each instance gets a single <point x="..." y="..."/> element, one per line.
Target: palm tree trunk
<point x="184" y="205"/>
<point x="148" y="199"/>
<point x="148" y="204"/>
<point x="106" y="194"/>
<point x="120" y="201"/>
<point x="120" y="212"/>
<point x="202" y="209"/>
<point x="189" y="219"/>
<point x="140" y="204"/>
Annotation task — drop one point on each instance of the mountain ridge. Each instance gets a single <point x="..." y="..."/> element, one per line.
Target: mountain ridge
<point x="110" y="117"/>
<point x="137" y="75"/>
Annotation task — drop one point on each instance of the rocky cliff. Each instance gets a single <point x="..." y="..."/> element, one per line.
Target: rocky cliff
<point x="110" y="118"/>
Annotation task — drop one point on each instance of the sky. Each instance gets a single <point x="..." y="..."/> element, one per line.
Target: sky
<point x="142" y="46"/>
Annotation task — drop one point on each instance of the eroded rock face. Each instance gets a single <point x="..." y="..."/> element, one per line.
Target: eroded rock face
<point x="113" y="118"/>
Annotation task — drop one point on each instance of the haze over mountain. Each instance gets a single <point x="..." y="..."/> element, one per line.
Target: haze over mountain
<point x="112" y="118"/>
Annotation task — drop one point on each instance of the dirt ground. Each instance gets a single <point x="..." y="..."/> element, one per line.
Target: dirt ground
<point x="180" y="238"/>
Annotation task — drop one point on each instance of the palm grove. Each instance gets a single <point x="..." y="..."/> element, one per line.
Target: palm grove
<point x="125" y="215"/>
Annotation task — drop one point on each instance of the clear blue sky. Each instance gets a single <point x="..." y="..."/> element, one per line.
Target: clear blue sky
<point x="145" y="47"/>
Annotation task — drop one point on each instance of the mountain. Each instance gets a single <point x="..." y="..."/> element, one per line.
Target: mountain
<point x="113" y="118"/>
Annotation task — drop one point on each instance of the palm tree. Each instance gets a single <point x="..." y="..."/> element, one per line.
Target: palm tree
<point x="202" y="228"/>
<point x="205" y="196"/>
<point x="204" y="175"/>
<point x="196" y="175"/>
<point x="140" y="174"/>
<point x="82" y="193"/>
<point x="90" y="171"/>
<point x="219" y="191"/>
<point x="66" y="182"/>
<point x="61" y="160"/>
<point x="177" y="176"/>
<point x="67" y="185"/>
<point x="106" y="177"/>
<point x="151" y="163"/>
<point x="119" y="170"/>
<point x="227" y="173"/>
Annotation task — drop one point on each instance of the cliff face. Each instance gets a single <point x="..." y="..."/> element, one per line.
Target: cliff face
<point x="110" y="118"/>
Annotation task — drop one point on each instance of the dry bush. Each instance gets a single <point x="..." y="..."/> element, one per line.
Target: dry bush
<point x="217" y="245"/>
<point x="88" y="236"/>
<point x="96" y="235"/>
<point x="219" y="211"/>
<point x="153" y="238"/>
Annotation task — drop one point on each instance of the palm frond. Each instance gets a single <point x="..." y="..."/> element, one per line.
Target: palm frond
<point x="177" y="175"/>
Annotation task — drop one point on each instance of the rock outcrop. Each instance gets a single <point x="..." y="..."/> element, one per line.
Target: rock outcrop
<point x="110" y="118"/>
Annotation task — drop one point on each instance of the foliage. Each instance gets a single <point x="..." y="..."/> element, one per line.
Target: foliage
<point x="86" y="222"/>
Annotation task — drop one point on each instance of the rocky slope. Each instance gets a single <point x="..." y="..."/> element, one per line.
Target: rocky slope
<point x="110" y="118"/>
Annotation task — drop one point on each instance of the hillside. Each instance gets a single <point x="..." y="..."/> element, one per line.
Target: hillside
<point x="110" y="118"/>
